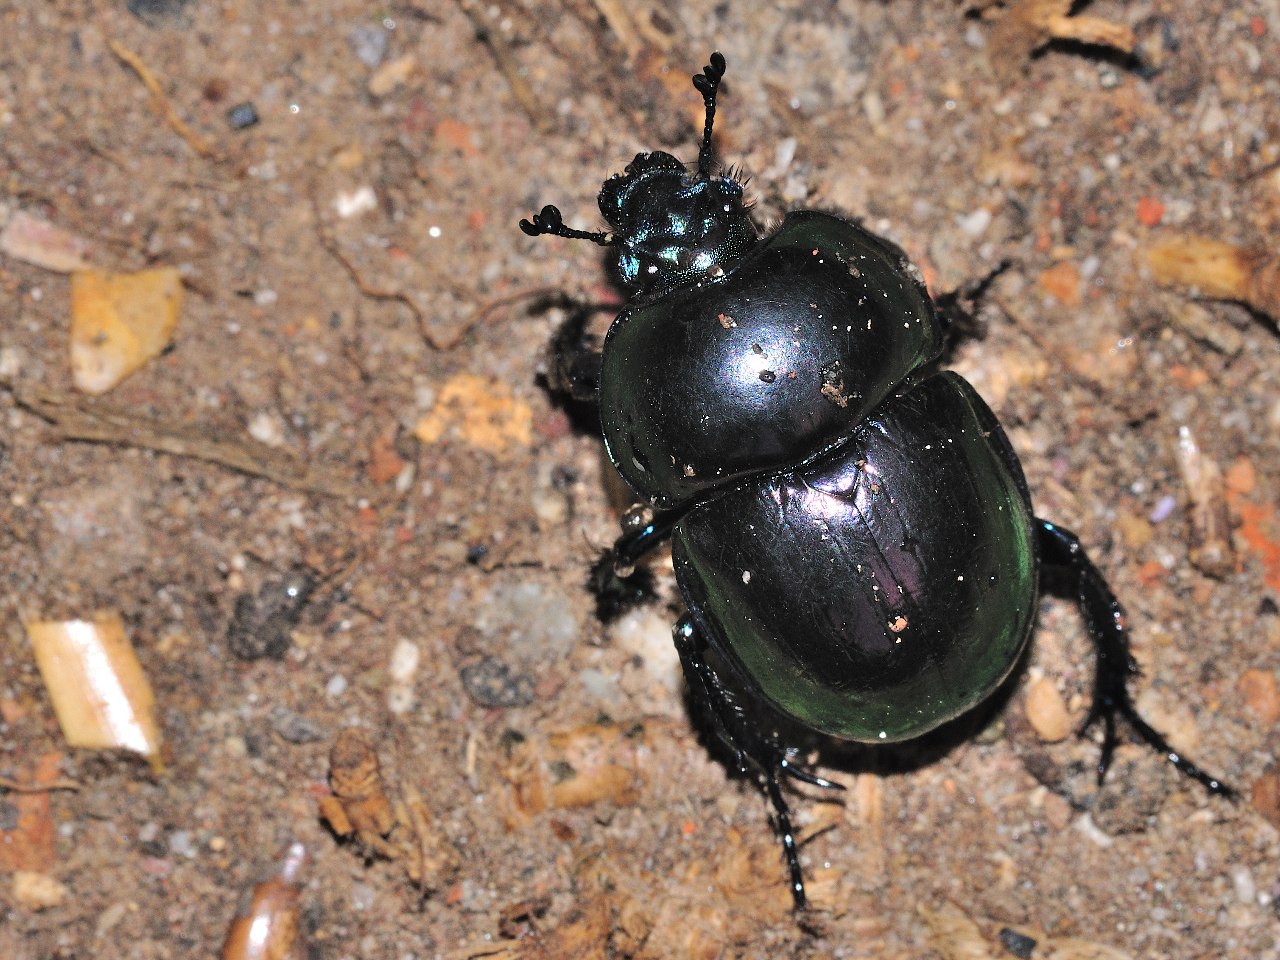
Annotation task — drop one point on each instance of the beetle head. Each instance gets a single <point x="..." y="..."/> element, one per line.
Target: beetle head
<point x="672" y="226"/>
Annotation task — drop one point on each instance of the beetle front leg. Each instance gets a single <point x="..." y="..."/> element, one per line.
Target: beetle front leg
<point x="750" y="747"/>
<point x="573" y="361"/>
<point x="1105" y="620"/>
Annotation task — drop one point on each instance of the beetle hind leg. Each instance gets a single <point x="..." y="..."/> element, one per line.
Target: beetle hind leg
<point x="753" y="750"/>
<point x="1105" y="619"/>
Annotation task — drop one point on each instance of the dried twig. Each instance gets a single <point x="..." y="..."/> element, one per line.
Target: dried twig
<point x="62" y="783"/>
<point x="367" y="289"/>
<point x="491" y="36"/>
<point x="1219" y="270"/>
<point x="76" y="418"/>
<point x="180" y="127"/>
<point x="437" y="340"/>
<point x="1028" y="25"/>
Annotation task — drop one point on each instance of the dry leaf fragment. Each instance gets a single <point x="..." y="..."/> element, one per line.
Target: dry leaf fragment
<point x="481" y="412"/>
<point x="1210" y="548"/>
<point x="119" y="322"/>
<point x="954" y="935"/>
<point x="100" y="694"/>
<point x="28" y="835"/>
<point x="591" y="764"/>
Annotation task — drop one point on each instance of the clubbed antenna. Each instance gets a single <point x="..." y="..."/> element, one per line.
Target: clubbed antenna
<point x="548" y="222"/>
<point x="707" y="83"/>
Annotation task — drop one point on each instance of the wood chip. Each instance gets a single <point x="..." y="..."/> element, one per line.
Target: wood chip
<point x="100" y="694"/>
<point x="1218" y="270"/>
<point x="43" y="244"/>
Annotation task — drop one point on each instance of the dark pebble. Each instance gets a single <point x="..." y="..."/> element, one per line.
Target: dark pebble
<point x="242" y="115"/>
<point x="161" y="13"/>
<point x="295" y="728"/>
<point x="262" y="623"/>
<point x="1017" y="944"/>
<point x="492" y="683"/>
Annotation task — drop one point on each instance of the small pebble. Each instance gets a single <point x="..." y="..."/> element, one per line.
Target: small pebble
<point x="1163" y="509"/>
<point x="403" y="664"/>
<point x="295" y="728"/>
<point x="352" y="203"/>
<point x="9" y="816"/>
<point x="602" y="688"/>
<point x="1090" y="829"/>
<point x="1135" y="530"/>
<point x="241" y="116"/>
<point x="336" y="686"/>
<point x="110" y="918"/>
<point x="492" y="683"/>
<point x="38" y="891"/>
<point x="10" y="363"/>
<point x="532" y="623"/>
<point x="402" y="669"/>
<point x="550" y="506"/>
<point x="180" y="844"/>
<point x="369" y="43"/>
<point x="160" y="13"/>
<point x="1017" y="944"/>
<point x="1047" y="711"/>
<point x="1132" y="794"/>
<point x="1242" y="881"/>
<point x="37" y="241"/>
<point x="267" y="428"/>
<point x="1264" y="796"/>
<point x="391" y="75"/>
<point x="975" y="224"/>
<point x="1259" y="689"/>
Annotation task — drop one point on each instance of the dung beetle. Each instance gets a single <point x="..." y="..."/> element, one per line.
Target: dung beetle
<point x="851" y="531"/>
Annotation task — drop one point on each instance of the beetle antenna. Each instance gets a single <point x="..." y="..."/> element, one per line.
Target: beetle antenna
<point x="548" y="222"/>
<point x="707" y="83"/>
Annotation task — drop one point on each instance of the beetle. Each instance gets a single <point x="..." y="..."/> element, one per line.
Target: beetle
<point x="851" y="531"/>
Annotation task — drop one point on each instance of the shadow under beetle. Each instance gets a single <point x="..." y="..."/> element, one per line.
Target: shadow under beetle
<point x="851" y="533"/>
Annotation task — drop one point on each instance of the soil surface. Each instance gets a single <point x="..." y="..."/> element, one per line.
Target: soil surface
<point x="343" y="496"/>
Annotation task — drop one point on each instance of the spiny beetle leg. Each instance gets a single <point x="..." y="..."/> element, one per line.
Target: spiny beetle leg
<point x="752" y="749"/>
<point x="1105" y="619"/>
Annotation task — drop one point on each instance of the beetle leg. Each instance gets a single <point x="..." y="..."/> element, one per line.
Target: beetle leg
<point x="574" y="357"/>
<point x="959" y="321"/>
<point x="751" y="749"/>
<point x="1105" y="619"/>
<point x="614" y="580"/>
